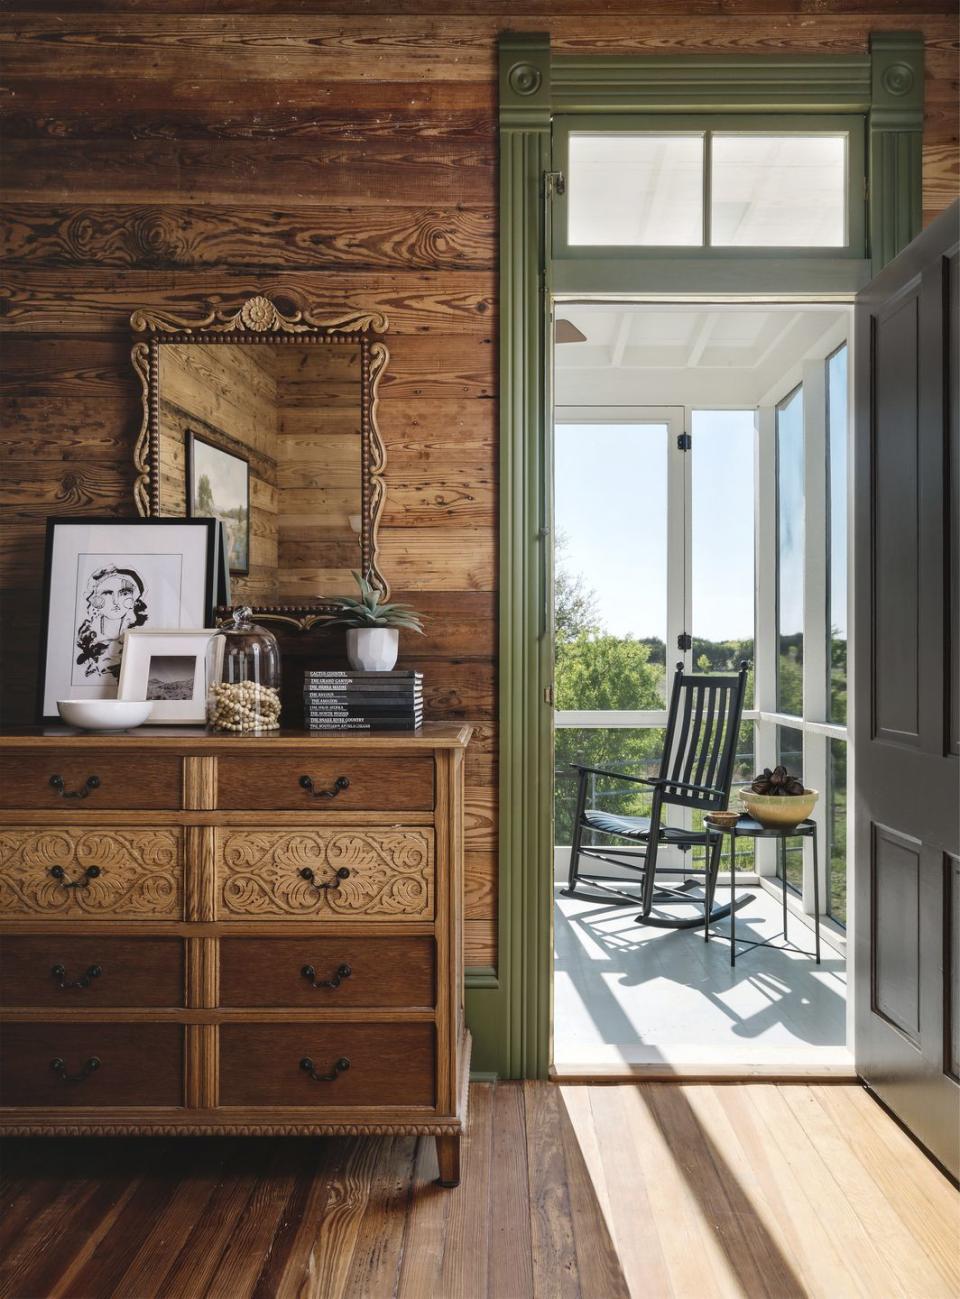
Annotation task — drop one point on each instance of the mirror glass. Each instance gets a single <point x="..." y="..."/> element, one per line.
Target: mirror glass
<point x="268" y="439"/>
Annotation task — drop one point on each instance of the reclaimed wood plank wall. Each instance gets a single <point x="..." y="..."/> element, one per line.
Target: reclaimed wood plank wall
<point x="345" y="155"/>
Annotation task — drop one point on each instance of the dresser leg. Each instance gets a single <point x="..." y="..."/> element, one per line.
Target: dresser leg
<point x="448" y="1160"/>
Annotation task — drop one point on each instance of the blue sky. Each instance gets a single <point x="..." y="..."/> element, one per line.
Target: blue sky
<point x="611" y="509"/>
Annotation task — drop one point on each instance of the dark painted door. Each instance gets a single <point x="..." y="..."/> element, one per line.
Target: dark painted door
<point x="907" y="662"/>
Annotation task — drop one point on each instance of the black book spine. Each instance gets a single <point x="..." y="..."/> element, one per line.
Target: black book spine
<point x="355" y="725"/>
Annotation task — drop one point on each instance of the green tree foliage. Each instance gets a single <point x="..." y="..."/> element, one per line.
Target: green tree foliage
<point x="205" y="496"/>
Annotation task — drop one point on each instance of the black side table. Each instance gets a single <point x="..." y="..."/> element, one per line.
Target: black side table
<point x="747" y="828"/>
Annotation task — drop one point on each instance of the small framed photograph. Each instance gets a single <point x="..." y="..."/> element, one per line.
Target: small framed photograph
<point x="218" y="487"/>
<point x="168" y="668"/>
<point x="105" y="577"/>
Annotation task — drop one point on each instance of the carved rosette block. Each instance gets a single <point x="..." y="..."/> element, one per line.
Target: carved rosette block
<point x="391" y="874"/>
<point x="138" y="873"/>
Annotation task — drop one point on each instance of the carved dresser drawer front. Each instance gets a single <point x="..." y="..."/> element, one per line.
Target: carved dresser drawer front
<point x="322" y="973"/>
<point x="321" y="782"/>
<point x="117" y="873"/>
<point x="326" y="1064"/>
<point x="80" y="971"/>
<point x="374" y="873"/>
<point x="91" y="1064"/>
<point x="89" y="782"/>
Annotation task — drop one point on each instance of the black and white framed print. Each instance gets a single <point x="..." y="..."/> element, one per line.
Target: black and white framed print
<point x="105" y="577"/>
<point x="218" y="487"/>
<point x="168" y="668"/>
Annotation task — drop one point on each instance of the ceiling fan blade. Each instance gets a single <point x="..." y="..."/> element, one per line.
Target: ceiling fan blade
<point x="565" y="331"/>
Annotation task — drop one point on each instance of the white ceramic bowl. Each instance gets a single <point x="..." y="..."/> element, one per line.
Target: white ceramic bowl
<point x="105" y="714"/>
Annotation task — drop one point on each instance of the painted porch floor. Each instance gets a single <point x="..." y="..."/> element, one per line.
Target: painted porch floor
<point x="629" y="998"/>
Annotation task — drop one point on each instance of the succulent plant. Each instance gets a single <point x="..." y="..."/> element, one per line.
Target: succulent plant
<point x="778" y="781"/>
<point x="369" y="612"/>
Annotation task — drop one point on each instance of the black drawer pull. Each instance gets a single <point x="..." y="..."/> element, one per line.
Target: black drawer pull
<point x="60" y="974"/>
<point x="60" y="1069"/>
<point x="307" y="874"/>
<point x="341" y="1066"/>
<point x="341" y="783"/>
<point x="91" y="783"/>
<point x="60" y="875"/>
<point x="343" y="972"/>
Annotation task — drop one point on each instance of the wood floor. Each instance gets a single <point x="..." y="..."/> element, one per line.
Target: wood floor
<point x="658" y="1189"/>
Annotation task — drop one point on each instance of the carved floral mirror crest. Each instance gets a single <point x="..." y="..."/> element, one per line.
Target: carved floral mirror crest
<point x="293" y="398"/>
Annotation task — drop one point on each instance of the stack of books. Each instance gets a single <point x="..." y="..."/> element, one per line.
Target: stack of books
<point x="362" y="701"/>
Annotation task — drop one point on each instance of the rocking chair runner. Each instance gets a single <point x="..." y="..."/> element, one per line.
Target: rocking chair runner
<point x="696" y="772"/>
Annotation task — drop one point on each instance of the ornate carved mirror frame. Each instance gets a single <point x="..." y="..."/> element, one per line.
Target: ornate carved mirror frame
<point x="260" y="320"/>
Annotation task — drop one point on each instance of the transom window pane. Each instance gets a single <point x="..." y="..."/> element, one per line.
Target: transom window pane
<point x="790" y="541"/>
<point x="778" y="191"/>
<point x="837" y="535"/>
<point x="611" y="598"/>
<point x="635" y="189"/>
<point x="722" y="541"/>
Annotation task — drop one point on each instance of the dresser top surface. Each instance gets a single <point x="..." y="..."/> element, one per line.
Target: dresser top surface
<point x="432" y="735"/>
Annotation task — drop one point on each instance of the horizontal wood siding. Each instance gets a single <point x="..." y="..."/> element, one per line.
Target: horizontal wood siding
<point x="343" y="156"/>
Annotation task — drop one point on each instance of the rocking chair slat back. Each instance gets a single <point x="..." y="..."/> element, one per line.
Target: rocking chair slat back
<point x="702" y="749"/>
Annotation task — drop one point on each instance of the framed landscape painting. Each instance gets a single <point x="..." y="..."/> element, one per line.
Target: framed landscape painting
<point x="218" y="487"/>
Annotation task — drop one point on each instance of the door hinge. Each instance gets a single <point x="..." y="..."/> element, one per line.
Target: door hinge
<point x="556" y="184"/>
<point x="684" y="441"/>
<point x="684" y="641"/>
<point x="548" y="695"/>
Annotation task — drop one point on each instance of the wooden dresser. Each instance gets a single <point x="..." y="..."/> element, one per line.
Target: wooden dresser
<point x="211" y="935"/>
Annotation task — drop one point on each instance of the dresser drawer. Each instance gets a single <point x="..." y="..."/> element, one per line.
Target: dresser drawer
<point x="78" y="971"/>
<point x="326" y="972"/>
<point x="266" y="1064"/>
<point x="90" y="781"/>
<point x="118" y="873"/>
<point x="275" y="784"/>
<point x="325" y="874"/>
<point x="98" y="1064"/>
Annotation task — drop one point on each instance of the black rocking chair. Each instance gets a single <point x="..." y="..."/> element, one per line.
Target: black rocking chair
<point x="696" y="772"/>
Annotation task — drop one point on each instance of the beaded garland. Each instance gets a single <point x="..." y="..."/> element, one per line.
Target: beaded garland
<point x="243" y="706"/>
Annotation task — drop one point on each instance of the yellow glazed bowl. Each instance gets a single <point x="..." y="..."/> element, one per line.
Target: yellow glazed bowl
<point x="776" y="811"/>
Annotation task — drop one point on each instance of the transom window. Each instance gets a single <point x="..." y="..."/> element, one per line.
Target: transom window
<point x="716" y="185"/>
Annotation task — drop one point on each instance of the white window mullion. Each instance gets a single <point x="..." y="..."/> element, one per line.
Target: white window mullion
<point x="765" y="688"/>
<point x="815" y="665"/>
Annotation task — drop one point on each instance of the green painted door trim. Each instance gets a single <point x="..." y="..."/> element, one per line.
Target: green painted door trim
<point x="509" y="1010"/>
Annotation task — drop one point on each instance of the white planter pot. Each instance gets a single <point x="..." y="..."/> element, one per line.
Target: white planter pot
<point x="373" y="649"/>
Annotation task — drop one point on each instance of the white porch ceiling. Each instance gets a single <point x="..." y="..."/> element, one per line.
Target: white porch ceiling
<point x="672" y="354"/>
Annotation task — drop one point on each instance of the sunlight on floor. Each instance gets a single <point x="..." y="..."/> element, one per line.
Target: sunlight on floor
<point x="634" y="994"/>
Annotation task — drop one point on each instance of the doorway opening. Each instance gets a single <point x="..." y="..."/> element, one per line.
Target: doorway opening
<point x="701" y="513"/>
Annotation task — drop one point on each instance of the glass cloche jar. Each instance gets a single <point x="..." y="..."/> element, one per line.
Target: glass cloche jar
<point x="243" y="677"/>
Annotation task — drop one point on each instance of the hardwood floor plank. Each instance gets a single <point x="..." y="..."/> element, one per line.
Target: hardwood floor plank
<point x="510" y="1238"/>
<point x="329" y="1262"/>
<point x="379" y="1249"/>
<point x="239" y="1265"/>
<point x="290" y="1258"/>
<point x="193" y="1270"/>
<point x="752" y="1253"/>
<point x="822" y="1268"/>
<point x="697" y="1265"/>
<point x="170" y="1233"/>
<point x="633" y="1227"/>
<point x="557" y="1275"/>
<point x="463" y="1272"/>
<point x="895" y="1231"/>
<point x="836" y="1217"/>
<point x="598" y="1267"/>
<point x="424" y="1237"/>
